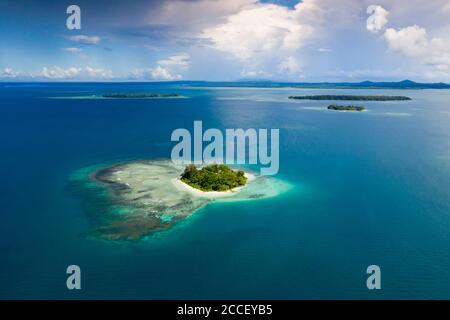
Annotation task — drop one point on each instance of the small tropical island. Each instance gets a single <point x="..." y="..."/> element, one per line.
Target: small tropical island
<point x="345" y="108"/>
<point x="351" y="98"/>
<point x="135" y="199"/>
<point x="140" y="95"/>
<point x="216" y="177"/>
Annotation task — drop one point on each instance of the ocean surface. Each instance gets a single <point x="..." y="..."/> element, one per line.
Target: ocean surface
<point x="369" y="188"/>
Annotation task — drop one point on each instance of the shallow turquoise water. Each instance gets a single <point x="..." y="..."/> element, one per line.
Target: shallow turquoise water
<point x="369" y="188"/>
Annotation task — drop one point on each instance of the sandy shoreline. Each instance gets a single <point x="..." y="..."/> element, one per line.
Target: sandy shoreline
<point x="180" y="185"/>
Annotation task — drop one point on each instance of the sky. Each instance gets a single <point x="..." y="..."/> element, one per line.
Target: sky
<point x="226" y="40"/>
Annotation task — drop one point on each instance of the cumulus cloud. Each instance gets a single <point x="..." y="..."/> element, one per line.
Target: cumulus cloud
<point x="262" y="28"/>
<point x="166" y="69"/>
<point x="98" y="72"/>
<point x="9" y="73"/>
<point x="84" y="39"/>
<point x="76" y="73"/>
<point x="12" y="74"/>
<point x="271" y="38"/>
<point x="377" y="19"/>
<point x="413" y="41"/>
<point x="160" y="73"/>
<point x="72" y="49"/>
<point x="432" y="54"/>
<point x="169" y="68"/>
<point x="60" y="73"/>
<point x="290" y="66"/>
<point x="181" y="61"/>
<point x="157" y="73"/>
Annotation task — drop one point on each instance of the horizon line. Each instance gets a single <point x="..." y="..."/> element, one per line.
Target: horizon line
<point x="224" y="81"/>
<point x="241" y="81"/>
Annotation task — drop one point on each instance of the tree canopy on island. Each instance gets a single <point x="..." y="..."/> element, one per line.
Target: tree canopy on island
<point x="351" y="98"/>
<point x="216" y="177"/>
<point x="345" y="108"/>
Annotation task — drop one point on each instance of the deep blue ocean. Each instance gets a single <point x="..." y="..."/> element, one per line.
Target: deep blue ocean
<point x="368" y="188"/>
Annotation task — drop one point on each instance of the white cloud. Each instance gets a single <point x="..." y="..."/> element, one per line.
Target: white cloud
<point x="9" y="73"/>
<point x="72" y="49"/>
<point x="430" y="55"/>
<point x="137" y="74"/>
<point x="98" y="72"/>
<point x="160" y="73"/>
<point x="262" y="28"/>
<point x="157" y="73"/>
<point x="413" y="42"/>
<point x="60" y="73"/>
<point x="76" y="73"/>
<point x="84" y="39"/>
<point x="181" y="61"/>
<point x="166" y="69"/>
<point x="377" y="19"/>
<point x="269" y="38"/>
<point x="290" y="66"/>
<point x="266" y="36"/>
<point x="324" y="50"/>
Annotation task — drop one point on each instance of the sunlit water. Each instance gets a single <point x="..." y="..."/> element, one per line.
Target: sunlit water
<point x="367" y="188"/>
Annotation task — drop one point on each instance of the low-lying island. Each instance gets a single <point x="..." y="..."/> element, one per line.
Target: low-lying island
<point x="351" y="98"/>
<point x="345" y="108"/>
<point x="138" y="198"/>
<point x="140" y="95"/>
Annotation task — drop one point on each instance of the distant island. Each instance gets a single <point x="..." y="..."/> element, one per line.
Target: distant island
<point x="351" y="98"/>
<point x="213" y="178"/>
<point x="139" y="95"/>
<point x="345" y="108"/>
<point x="405" y="84"/>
